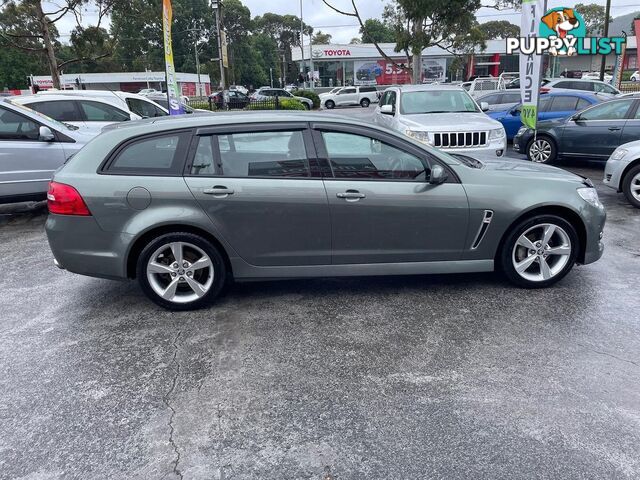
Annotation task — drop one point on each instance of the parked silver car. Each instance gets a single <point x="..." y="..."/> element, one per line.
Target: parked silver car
<point x="184" y="205"/>
<point x="622" y="171"/>
<point x="442" y="116"/>
<point x="32" y="147"/>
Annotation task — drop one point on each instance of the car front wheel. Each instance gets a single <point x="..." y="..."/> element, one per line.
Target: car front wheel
<point x="181" y="271"/>
<point x="364" y="103"/>
<point x="631" y="186"/>
<point x="542" y="150"/>
<point x="539" y="251"/>
<point x="329" y="104"/>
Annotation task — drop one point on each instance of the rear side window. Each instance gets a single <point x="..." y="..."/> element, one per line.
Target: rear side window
<point x="582" y="104"/>
<point x="101" y="112"/>
<point x="563" y="103"/>
<point x="263" y="154"/>
<point x="156" y="155"/>
<point x="63" y="110"/>
<point x="607" y="111"/>
<point x="144" y="109"/>
<point x="367" y="89"/>
<point x="510" y="97"/>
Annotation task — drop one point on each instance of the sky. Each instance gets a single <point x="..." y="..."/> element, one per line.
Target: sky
<point x="343" y="28"/>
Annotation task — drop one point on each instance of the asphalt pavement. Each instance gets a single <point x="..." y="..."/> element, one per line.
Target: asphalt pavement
<point x="457" y="376"/>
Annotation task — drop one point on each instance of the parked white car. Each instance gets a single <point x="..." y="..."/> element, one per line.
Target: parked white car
<point x="443" y="116"/>
<point x="239" y="88"/>
<point x="87" y="113"/>
<point x="587" y="85"/>
<point x="635" y="76"/>
<point x="132" y="102"/>
<point x="596" y="76"/>
<point x="346" y="96"/>
<point x="622" y="171"/>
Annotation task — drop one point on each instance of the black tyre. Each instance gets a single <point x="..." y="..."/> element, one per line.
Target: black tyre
<point x="364" y="103"/>
<point x="181" y="271"/>
<point x="542" y="150"/>
<point x="539" y="251"/>
<point x="631" y="186"/>
<point x="306" y="106"/>
<point x="329" y="104"/>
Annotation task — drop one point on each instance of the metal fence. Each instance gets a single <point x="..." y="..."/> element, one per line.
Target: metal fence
<point x="630" y="87"/>
<point x="264" y="103"/>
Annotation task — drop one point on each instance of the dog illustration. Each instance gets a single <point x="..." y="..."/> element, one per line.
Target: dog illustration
<point x="561" y="22"/>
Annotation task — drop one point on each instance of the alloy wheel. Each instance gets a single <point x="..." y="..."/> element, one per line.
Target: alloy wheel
<point x="540" y="151"/>
<point x="180" y="272"/>
<point x="634" y="187"/>
<point x="541" y="252"/>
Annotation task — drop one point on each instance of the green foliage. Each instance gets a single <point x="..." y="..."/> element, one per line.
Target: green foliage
<point x="311" y="95"/>
<point x="593" y="16"/>
<point x="496" y="29"/>
<point x="321" y="38"/>
<point x="376" y="31"/>
<point x="285" y="104"/>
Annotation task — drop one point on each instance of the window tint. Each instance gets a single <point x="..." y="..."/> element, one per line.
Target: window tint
<point x="346" y="90"/>
<point x="63" y="110"/>
<point x="263" y="154"/>
<point x="563" y="103"/>
<point x="582" y="104"/>
<point x="564" y="84"/>
<point x="607" y="111"/>
<point x="154" y="155"/>
<point x="543" y="104"/>
<point x="144" y="108"/>
<point x="511" y="97"/>
<point x="101" y="112"/>
<point x="491" y="99"/>
<point x="358" y="156"/>
<point x="586" y="86"/>
<point x="17" y="127"/>
<point x="600" y="87"/>
<point x="203" y="163"/>
<point x="389" y="98"/>
<point x="367" y="89"/>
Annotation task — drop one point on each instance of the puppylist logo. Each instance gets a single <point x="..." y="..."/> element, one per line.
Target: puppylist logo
<point x="562" y="31"/>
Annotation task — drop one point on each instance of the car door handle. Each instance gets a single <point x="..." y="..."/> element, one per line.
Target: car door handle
<point x="351" y="195"/>
<point x="614" y="129"/>
<point x="218" y="190"/>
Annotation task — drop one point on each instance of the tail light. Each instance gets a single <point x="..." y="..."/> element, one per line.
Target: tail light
<point x="63" y="199"/>
<point x="545" y="89"/>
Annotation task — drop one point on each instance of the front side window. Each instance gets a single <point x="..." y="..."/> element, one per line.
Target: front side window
<point x="607" y="111"/>
<point x="359" y="156"/>
<point x="263" y="154"/>
<point x="437" y="101"/>
<point x="345" y="91"/>
<point x="157" y="155"/>
<point x="101" y="112"/>
<point x="144" y="109"/>
<point x="63" y="110"/>
<point x="16" y="127"/>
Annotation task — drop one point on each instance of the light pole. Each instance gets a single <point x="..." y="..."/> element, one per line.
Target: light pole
<point x="607" y="15"/>
<point x="217" y="6"/>
<point x="302" y="63"/>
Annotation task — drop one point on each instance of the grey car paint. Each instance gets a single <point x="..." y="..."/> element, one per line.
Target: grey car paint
<point x="622" y="161"/>
<point x="27" y="164"/>
<point x="398" y="228"/>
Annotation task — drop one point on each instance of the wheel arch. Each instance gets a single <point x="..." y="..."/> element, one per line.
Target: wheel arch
<point x="561" y="211"/>
<point x="548" y="136"/>
<point x="627" y="169"/>
<point x="140" y="242"/>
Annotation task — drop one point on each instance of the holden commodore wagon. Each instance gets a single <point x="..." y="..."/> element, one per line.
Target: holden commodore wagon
<point x="187" y="204"/>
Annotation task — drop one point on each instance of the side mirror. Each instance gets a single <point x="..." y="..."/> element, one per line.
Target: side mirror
<point x="575" y="117"/>
<point x="438" y="175"/>
<point x="387" y="109"/>
<point x="515" y="111"/>
<point x="484" y="106"/>
<point x="45" y="134"/>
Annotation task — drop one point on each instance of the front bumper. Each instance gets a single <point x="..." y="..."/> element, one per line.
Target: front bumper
<point x="594" y="219"/>
<point x="613" y="174"/>
<point x="495" y="148"/>
<point x="521" y="141"/>
<point x="79" y="245"/>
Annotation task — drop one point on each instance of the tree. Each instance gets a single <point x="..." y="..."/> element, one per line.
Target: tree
<point x="321" y="38"/>
<point x="419" y="24"/>
<point x="593" y="16"/>
<point x="374" y="30"/>
<point x="500" y="29"/>
<point x="355" y="41"/>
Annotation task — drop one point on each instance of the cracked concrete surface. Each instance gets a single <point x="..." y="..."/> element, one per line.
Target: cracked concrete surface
<point x="407" y="377"/>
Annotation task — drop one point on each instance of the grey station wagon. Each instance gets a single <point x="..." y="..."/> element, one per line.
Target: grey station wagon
<point x="186" y="204"/>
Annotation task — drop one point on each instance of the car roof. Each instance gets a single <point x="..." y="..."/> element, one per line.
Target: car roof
<point x="588" y="80"/>
<point x="428" y="87"/>
<point x="25" y="99"/>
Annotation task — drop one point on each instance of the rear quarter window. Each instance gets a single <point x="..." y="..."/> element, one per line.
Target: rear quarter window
<point x="152" y="155"/>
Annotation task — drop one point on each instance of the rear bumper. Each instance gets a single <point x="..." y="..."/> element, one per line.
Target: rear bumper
<point x="79" y="245"/>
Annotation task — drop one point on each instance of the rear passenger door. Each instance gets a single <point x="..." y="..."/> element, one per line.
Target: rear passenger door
<point x="258" y="187"/>
<point x="383" y="210"/>
<point x="347" y="96"/>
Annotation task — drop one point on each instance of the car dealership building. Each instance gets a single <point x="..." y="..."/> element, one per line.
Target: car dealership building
<point x="361" y="64"/>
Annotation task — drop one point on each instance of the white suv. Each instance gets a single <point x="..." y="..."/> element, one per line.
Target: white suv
<point x="358" y="95"/>
<point x="442" y="116"/>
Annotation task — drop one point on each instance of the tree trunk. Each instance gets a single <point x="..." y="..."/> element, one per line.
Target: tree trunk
<point x="48" y="44"/>
<point x="416" y="68"/>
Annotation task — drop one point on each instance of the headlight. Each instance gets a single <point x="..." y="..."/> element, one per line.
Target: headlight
<point x="589" y="195"/>
<point x="418" y="135"/>
<point x="521" y="131"/>
<point x="496" y="133"/>
<point x="619" y="154"/>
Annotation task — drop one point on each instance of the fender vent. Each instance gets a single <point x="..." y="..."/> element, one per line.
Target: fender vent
<point x="484" y="226"/>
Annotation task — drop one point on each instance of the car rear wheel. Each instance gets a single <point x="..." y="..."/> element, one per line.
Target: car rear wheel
<point x="631" y="186"/>
<point x="539" y="251"/>
<point x="181" y="271"/>
<point x="307" y="106"/>
<point x="364" y="103"/>
<point x="541" y="150"/>
<point x="329" y="104"/>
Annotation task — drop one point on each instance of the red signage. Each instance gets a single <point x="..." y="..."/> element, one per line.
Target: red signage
<point x="337" y="53"/>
